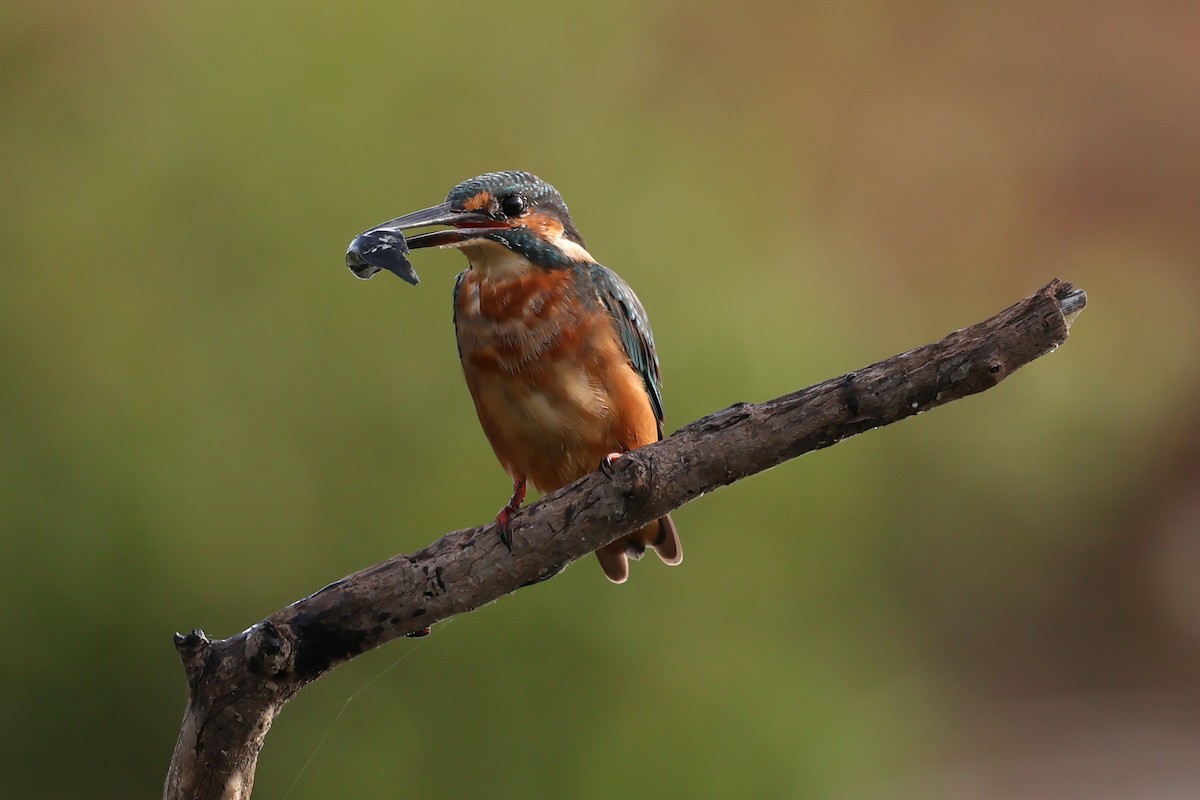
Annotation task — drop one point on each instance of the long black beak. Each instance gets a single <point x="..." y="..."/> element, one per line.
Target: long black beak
<point x="384" y="246"/>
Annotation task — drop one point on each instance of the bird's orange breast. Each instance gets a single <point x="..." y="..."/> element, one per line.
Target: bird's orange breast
<point x="552" y="384"/>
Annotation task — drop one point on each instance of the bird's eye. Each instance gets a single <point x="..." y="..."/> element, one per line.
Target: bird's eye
<point x="513" y="205"/>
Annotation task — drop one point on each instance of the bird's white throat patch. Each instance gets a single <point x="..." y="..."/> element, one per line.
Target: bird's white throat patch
<point x="494" y="259"/>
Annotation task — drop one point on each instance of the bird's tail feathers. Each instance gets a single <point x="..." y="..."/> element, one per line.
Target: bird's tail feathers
<point x="660" y="536"/>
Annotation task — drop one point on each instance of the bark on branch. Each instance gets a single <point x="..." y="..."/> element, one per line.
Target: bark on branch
<point x="236" y="686"/>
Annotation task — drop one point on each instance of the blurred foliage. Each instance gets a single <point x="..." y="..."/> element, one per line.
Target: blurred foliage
<point x="204" y="416"/>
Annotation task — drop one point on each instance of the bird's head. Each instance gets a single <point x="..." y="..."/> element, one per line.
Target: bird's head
<point x="502" y="221"/>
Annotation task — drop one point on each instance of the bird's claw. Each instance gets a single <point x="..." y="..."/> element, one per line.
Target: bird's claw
<point x="504" y="517"/>
<point x="504" y="526"/>
<point x="606" y="464"/>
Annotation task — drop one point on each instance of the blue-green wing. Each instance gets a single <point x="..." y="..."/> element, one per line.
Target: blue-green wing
<point x="458" y="282"/>
<point x="633" y="326"/>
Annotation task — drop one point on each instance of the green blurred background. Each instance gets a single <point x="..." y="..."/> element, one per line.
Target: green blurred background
<point x="203" y="416"/>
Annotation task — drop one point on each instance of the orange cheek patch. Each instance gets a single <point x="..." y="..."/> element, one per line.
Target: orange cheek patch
<point x="481" y="200"/>
<point x="544" y="225"/>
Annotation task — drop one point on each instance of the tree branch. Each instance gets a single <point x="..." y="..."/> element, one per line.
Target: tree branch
<point x="236" y="686"/>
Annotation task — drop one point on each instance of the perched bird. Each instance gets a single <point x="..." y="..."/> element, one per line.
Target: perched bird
<point x="556" y="349"/>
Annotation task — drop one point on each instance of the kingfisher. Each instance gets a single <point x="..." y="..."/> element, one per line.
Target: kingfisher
<point x="555" y="348"/>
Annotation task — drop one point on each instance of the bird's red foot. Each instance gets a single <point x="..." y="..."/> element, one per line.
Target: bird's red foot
<point x="504" y="526"/>
<point x="606" y="463"/>
<point x="504" y="516"/>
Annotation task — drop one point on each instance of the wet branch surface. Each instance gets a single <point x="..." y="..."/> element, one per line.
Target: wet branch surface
<point x="236" y="686"/>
